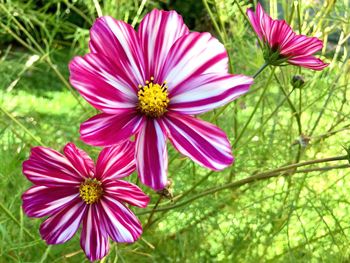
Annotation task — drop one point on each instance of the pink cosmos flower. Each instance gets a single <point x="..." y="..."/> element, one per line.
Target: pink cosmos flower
<point x="150" y="83"/>
<point x="70" y="189"/>
<point x="282" y="44"/>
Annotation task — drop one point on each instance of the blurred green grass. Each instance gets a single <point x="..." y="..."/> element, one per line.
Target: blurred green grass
<point x="303" y="217"/>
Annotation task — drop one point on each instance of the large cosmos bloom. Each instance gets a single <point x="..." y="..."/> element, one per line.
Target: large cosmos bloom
<point x="149" y="84"/>
<point x="70" y="189"/>
<point x="284" y="45"/>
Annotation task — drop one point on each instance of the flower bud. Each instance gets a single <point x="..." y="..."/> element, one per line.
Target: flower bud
<point x="297" y="82"/>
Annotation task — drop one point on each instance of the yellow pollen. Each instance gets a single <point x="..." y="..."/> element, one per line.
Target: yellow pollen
<point x="153" y="99"/>
<point x="91" y="191"/>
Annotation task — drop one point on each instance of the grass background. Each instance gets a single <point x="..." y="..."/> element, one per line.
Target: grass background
<point x="302" y="215"/>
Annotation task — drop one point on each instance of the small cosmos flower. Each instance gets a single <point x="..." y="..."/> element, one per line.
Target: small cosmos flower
<point x="282" y="44"/>
<point x="149" y="84"/>
<point x="69" y="189"/>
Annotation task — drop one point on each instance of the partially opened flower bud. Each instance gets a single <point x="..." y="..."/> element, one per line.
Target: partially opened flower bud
<point x="282" y="45"/>
<point x="297" y="82"/>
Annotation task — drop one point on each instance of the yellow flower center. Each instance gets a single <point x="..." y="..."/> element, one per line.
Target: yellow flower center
<point x="153" y="99"/>
<point x="91" y="191"/>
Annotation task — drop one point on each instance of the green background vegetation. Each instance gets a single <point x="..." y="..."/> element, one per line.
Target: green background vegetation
<point x="250" y="212"/>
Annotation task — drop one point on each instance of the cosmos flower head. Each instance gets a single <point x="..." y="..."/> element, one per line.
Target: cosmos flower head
<point x="149" y="84"/>
<point x="71" y="190"/>
<point x="282" y="45"/>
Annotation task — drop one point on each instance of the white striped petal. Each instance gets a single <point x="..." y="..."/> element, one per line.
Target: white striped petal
<point x="151" y="155"/>
<point x="95" y="78"/>
<point x="119" y="42"/>
<point x="157" y="32"/>
<point x="61" y="227"/>
<point x="208" y="91"/>
<point x="50" y="168"/>
<point x="116" y="162"/>
<point x="110" y="129"/>
<point x="191" y="55"/>
<point x="122" y="225"/>
<point x="201" y="141"/>
<point x="94" y="236"/>
<point x="124" y="191"/>
<point x="39" y="201"/>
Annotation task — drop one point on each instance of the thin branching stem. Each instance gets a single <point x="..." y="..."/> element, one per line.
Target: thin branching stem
<point x="287" y="170"/>
<point x="267" y="83"/>
<point x="8" y="114"/>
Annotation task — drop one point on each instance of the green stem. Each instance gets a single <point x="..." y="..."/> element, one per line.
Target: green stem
<point x="265" y="121"/>
<point x="46" y="253"/>
<point x="98" y="8"/>
<point x="65" y="82"/>
<point x="21" y="125"/>
<point x="182" y="195"/>
<point x="215" y="24"/>
<point x="14" y="219"/>
<point x="248" y="180"/>
<point x="138" y="13"/>
<point x="255" y="108"/>
<point x="291" y="105"/>
<point x="260" y="70"/>
<point x="149" y="222"/>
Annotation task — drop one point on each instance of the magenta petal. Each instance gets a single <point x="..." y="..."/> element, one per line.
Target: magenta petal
<point x="118" y="41"/>
<point x="79" y="159"/>
<point x="62" y="226"/>
<point x="50" y="168"/>
<point x="122" y="225"/>
<point x="151" y="155"/>
<point x="104" y="85"/>
<point x="263" y="22"/>
<point x="193" y="54"/>
<point x="94" y="236"/>
<point x="206" y="92"/>
<point x="255" y="23"/>
<point x="107" y="129"/>
<point x="157" y="32"/>
<point x="39" y="201"/>
<point x="201" y="141"/>
<point x="308" y="62"/>
<point x="124" y="191"/>
<point x="116" y="162"/>
<point x="280" y="35"/>
<point x="302" y="45"/>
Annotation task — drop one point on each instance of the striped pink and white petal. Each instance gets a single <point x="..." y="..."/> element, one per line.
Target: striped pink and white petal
<point x="157" y="32"/>
<point x="261" y="22"/>
<point x="104" y="85"/>
<point x="39" y="201"/>
<point x="308" y="62"/>
<point x="94" y="236"/>
<point x="302" y="45"/>
<point x="116" y="162"/>
<point x="79" y="159"/>
<point x="122" y="225"/>
<point x="119" y="42"/>
<point x="62" y="226"/>
<point x="110" y="129"/>
<point x="201" y="141"/>
<point x="255" y="20"/>
<point x="151" y="155"/>
<point x="280" y="34"/>
<point x="48" y="167"/>
<point x="205" y="92"/>
<point x="191" y="55"/>
<point x="124" y="191"/>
